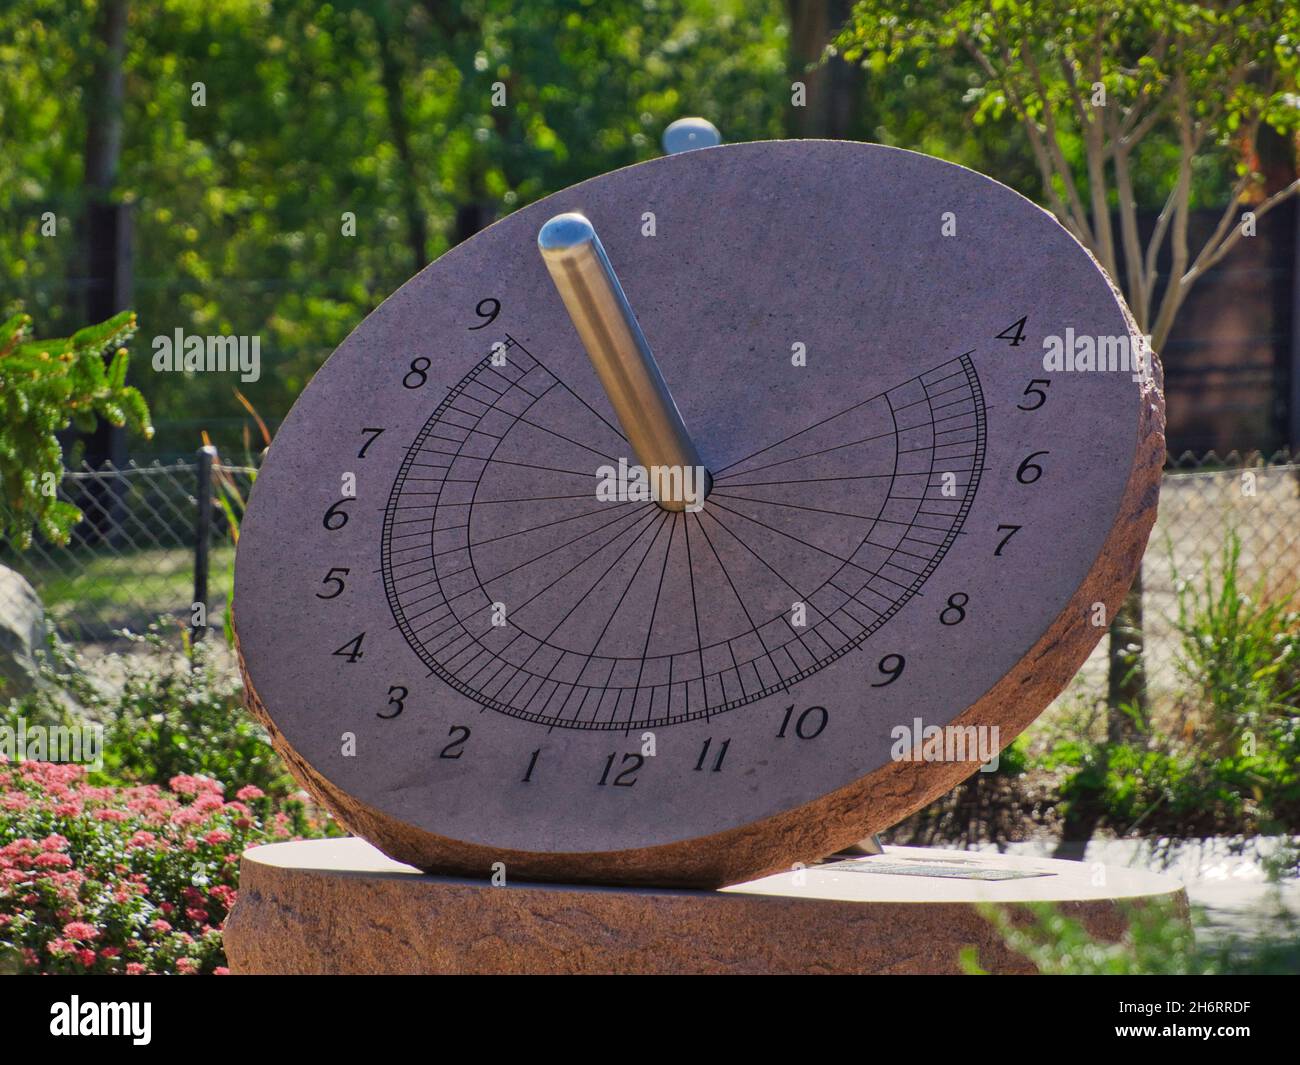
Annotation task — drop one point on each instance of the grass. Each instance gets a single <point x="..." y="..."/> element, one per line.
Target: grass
<point x="94" y="591"/>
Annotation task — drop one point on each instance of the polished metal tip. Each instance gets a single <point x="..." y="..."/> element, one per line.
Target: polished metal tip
<point x="564" y="233"/>
<point x="687" y="134"/>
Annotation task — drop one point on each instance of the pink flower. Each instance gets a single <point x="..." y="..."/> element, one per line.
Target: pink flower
<point x="224" y="894"/>
<point x="193" y="785"/>
<point x="54" y="861"/>
<point x="134" y="968"/>
<point x="220" y="970"/>
<point x="249" y="792"/>
<point x="80" y="930"/>
<point x="53" y="842"/>
<point x="186" y="966"/>
<point x="217" y="836"/>
<point x="111" y="815"/>
<point x="86" y="956"/>
<point x="160" y="926"/>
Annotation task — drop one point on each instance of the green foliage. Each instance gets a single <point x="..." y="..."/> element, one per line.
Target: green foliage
<point x="1014" y="760"/>
<point x="134" y="880"/>
<point x="1047" y="56"/>
<point x="1153" y="101"/>
<point x="1240" y="651"/>
<point x="45" y="386"/>
<point x="1158" y="940"/>
<point x="380" y="108"/>
<point x="1231" y="759"/>
<point x="171" y="708"/>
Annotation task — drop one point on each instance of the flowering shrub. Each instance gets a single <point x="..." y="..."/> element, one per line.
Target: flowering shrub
<point x="175" y="706"/>
<point x="127" y="880"/>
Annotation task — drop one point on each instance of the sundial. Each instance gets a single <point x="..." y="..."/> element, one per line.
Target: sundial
<point x="481" y="643"/>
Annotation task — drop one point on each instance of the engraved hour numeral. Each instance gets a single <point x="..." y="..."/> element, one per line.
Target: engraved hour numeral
<point x="626" y="777"/>
<point x="717" y="762"/>
<point x="808" y="725"/>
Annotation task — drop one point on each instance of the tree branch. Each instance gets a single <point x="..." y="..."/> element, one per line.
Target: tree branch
<point x="1204" y="262"/>
<point x="1045" y="169"/>
<point x="1127" y="203"/>
<point x="1175" y="290"/>
<point x="1106" y="249"/>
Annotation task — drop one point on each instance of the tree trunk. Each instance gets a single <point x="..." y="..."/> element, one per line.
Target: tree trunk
<point x="106" y="242"/>
<point x="390" y="75"/>
<point x="1126" y="685"/>
<point x="833" y="106"/>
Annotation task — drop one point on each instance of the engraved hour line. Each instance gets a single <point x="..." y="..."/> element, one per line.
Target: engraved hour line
<point x="464" y="631"/>
<point x="448" y="403"/>
<point x="695" y="610"/>
<point x="836" y="447"/>
<point x="785" y="681"/>
<point x="811" y="454"/>
<point x="436" y="581"/>
<point x="800" y="636"/>
<point x="622" y="596"/>
<point x="889" y="495"/>
<point x="649" y="629"/>
<point x="561" y="547"/>
<point x="839" y="589"/>
<point x="561" y="577"/>
<point x="604" y="509"/>
<point x="757" y="629"/>
<point x="963" y="358"/>
<point x="594" y="584"/>
<point x="812" y="628"/>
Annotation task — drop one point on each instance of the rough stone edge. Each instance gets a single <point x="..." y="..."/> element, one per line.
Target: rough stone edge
<point x="312" y="922"/>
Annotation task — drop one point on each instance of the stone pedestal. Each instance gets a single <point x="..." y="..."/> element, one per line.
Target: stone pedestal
<point x="341" y="906"/>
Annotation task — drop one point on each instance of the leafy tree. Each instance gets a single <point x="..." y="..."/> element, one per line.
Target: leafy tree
<point x="45" y="386"/>
<point x="1105" y="91"/>
<point x="250" y="129"/>
<point x="1090" y="82"/>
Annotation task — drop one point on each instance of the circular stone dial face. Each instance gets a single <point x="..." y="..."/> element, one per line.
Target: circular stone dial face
<point x="449" y="623"/>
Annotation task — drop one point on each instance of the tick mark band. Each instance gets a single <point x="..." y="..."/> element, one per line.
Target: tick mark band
<point x="622" y="359"/>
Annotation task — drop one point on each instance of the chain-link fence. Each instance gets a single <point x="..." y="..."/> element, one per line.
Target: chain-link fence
<point x="155" y="540"/>
<point x="1205" y="502"/>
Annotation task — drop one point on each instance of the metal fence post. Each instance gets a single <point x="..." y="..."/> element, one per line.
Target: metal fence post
<point x="202" y="537"/>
